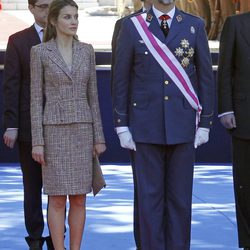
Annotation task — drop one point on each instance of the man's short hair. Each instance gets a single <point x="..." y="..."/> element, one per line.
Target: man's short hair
<point x="32" y="2"/>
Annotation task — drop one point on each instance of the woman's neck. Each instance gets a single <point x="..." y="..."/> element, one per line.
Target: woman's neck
<point x="63" y="41"/>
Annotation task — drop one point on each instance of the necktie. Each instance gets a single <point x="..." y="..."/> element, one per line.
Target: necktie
<point x="164" y="24"/>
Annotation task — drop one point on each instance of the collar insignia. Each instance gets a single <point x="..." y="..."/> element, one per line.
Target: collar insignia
<point x="149" y="17"/>
<point x="179" y="18"/>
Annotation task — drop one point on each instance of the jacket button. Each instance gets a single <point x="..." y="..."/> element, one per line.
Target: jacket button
<point x="134" y="104"/>
<point x="118" y="120"/>
<point x="166" y="82"/>
<point x="166" y="98"/>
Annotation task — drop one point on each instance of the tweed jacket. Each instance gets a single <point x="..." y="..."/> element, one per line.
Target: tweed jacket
<point x="60" y="95"/>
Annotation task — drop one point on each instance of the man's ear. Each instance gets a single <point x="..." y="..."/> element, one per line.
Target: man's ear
<point x="31" y="8"/>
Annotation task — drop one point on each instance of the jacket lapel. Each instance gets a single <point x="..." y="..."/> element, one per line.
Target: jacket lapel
<point x="154" y="26"/>
<point x="57" y="58"/>
<point x="245" y="26"/>
<point x="77" y="56"/>
<point x="176" y="26"/>
<point x="33" y="38"/>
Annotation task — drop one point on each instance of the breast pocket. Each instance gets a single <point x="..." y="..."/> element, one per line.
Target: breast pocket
<point x="142" y="59"/>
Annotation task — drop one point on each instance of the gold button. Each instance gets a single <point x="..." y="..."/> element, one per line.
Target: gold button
<point x="166" y="98"/>
<point x="119" y="120"/>
<point x="134" y="104"/>
<point x="166" y="82"/>
<point x="211" y="123"/>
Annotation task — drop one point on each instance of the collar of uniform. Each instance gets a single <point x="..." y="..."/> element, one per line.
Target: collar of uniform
<point x="158" y="13"/>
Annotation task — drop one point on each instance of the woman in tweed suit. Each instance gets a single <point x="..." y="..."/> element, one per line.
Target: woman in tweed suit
<point x="65" y="119"/>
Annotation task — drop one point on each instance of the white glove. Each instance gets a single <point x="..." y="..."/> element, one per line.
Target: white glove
<point x="201" y="136"/>
<point x="126" y="140"/>
<point x="10" y="137"/>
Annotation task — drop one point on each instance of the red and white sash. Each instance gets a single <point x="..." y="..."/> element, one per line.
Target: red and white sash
<point x="167" y="61"/>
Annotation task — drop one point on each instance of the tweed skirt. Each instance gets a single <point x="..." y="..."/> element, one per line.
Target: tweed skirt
<point x="68" y="154"/>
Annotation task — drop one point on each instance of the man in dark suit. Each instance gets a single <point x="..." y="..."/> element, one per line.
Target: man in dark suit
<point x="163" y="96"/>
<point x="234" y="108"/>
<point x="146" y="6"/>
<point x="17" y="119"/>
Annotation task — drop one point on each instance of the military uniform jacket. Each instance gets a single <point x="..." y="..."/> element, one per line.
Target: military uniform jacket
<point x="234" y="72"/>
<point x="145" y="98"/>
<point x="60" y="95"/>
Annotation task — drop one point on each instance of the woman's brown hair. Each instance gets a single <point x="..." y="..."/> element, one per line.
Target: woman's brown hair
<point x="54" y="11"/>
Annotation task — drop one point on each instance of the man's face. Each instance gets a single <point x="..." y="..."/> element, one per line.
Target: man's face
<point x="40" y="11"/>
<point x="166" y="2"/>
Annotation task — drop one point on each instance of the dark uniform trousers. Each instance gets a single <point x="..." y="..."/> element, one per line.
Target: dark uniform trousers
<point x="164" y="176"/>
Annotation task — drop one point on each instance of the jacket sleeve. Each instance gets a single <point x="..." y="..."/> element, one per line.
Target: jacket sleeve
<point x="92" y="93"/>
<point x="205" y="76"/>
<point x="122" y="74"/>
<point x="225" y="69"/>
<point x="36" y="103"/>
<point x="11" y="86"/>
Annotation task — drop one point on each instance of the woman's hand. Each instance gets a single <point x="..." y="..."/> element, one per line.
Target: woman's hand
<point x="38" y="154"/>
<point x="99" y="149"/>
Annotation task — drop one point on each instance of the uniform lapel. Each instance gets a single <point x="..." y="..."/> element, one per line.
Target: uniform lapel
<point x="176" y="26"/>
<point x="154" y="26"/>
<point x="57" y="58"/>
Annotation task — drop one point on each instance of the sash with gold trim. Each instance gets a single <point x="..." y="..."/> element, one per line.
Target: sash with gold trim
<point x="167" y="61"/>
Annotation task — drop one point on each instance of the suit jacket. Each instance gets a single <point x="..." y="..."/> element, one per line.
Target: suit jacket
<point x="117" y="29"/>
<point x="145" y="98"/>
<point x="60" y="95"/>
<point x="16" y="85"/>
<point x="234" y="72"/>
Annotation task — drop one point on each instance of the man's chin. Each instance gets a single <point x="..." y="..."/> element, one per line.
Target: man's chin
<point x="166" y="2"/>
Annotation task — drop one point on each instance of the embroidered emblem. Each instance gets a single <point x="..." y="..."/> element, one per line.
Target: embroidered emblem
<point x="184" y="43"/>
<point x="192" y="29"/>
<point x="149" y="17"/>
<point x="179" y="52"/>
<point x="184" y="53"/>
<point x="190" y="52"/>
<point x="185" y="62"/>
<point x="179" y="18"/>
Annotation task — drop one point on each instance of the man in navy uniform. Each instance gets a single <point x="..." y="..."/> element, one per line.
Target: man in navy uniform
<point x="146" y="5"/>
<point x="163" y="97"/>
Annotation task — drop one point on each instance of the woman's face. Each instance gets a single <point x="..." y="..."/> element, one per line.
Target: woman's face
<point x="67" y="22"/>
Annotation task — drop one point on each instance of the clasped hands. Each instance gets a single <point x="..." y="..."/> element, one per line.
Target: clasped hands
<point x="38" y="152"/>
<point x="126" y="140"/>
